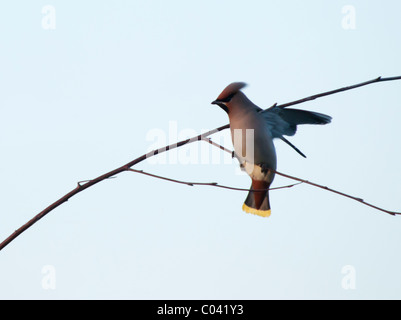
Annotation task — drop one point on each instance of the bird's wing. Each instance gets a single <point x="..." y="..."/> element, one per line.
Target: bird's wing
<point x="283" y="122"/>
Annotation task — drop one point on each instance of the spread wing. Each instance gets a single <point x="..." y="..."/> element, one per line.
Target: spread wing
<point x="283" y="122"/>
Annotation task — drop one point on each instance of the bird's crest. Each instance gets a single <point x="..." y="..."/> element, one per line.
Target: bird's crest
<point x="230" y="90"/>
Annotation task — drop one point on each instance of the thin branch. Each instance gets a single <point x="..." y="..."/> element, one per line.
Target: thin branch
<point x="393" y="213"/>
<point x="81" y="187"/>
<point x="210" y="184"/>
<point x="209" y="140"/>
<point x="79" y="183"/>
<point x="379" y="79"/>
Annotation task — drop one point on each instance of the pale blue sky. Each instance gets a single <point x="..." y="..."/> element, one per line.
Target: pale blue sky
<point x="84" y="98"/>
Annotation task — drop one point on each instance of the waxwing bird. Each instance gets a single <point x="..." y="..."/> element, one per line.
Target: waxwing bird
<point x="252" y="132"/>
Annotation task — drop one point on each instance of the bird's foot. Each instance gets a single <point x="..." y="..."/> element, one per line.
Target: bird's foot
<point x="264" y="168"/>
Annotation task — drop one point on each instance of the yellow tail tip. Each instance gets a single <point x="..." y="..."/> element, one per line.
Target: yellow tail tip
<point x="261" y="213"/>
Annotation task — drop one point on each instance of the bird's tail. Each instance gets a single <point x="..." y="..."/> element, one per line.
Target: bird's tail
<point x="257" y="201"/>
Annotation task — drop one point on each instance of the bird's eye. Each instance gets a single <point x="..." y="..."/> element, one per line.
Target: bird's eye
<point x="228" y="98"/>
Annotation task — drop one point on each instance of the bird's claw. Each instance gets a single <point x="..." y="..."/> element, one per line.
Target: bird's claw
<point x="264" y="168"/>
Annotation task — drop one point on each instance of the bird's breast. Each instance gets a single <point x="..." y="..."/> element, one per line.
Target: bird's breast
<point x="252" y="140"/>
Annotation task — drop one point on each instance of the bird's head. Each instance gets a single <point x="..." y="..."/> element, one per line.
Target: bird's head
<point x="227" y="97"/>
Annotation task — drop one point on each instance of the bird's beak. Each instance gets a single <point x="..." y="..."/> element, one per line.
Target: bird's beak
<point x="221" y="104"/>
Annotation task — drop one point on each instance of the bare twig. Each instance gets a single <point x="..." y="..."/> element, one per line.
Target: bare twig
<point x="393" y="213"/>
<point x="82" y="186"/>
<point x="210" y="184"/>
<point x="209" y="140"/>
<point x="379" y="79"/>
